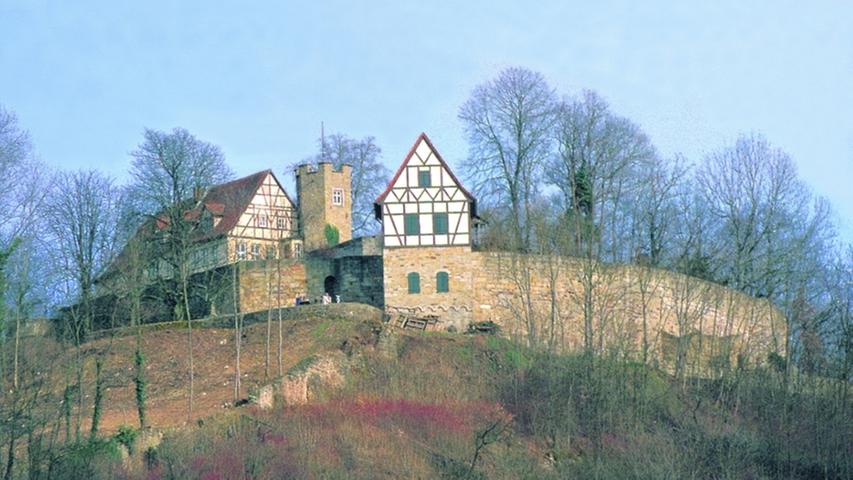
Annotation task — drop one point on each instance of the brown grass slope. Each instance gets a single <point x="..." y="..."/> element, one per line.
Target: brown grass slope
<point x="434" y="405"/>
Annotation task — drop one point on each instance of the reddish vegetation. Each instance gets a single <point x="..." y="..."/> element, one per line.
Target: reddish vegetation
<point x="423" y="417"/>
<point x="364" y="437"/>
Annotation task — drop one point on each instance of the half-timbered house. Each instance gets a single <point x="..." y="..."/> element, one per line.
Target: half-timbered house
<point x="427" y="220"/>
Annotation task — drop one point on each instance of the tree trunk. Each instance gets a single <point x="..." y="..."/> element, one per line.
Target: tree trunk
<point x="269" y="326"/>
<point x="99" y="396"/>
<point x="280" y="323"/>
<point x="237" y="332"/>
<point x="190" y="343"/>
<point x="17" y="346"/>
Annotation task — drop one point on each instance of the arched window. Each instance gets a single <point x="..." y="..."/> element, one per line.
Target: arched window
<point x="414" y="282"/>
<point x="442" y="282"/>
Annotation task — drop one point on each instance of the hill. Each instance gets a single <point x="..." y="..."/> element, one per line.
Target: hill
<point x="363" y="400"/>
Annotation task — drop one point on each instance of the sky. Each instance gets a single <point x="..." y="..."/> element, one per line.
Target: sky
<point x="258" y="78"/>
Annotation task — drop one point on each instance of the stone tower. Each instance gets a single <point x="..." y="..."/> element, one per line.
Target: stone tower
<point x="325" y="198"/>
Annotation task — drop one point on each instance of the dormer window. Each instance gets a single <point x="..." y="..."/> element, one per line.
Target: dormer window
<point x="337" y="196"/>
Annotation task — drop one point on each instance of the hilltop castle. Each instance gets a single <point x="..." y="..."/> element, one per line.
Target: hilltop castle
<point x="425" y="265"/>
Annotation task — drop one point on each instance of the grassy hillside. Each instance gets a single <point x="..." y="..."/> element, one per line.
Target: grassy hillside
<point x="451" y="406"/>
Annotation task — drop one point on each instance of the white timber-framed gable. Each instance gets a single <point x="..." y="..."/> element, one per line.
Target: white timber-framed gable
<point x="425" y="205"/>
<point x="270" y="215"/>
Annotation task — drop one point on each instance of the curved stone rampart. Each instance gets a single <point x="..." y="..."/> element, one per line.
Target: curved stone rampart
<point x="561" y="301"/>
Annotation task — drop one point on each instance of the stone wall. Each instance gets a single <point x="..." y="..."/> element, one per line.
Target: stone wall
<point x="454" y="307"/>
<point x="360" y="279"/>
<point x="265" y="283"/>
<point x="358" y="246"/>
<point x="623" y="300"/>
<point x="542" y="300"/>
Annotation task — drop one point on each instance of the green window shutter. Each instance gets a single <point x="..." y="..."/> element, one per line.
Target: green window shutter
<point x="412" y="224"/>
<point x="439" y="223"/>
<point x="442" y="282"/>
<point x="423" y="178"/>
<point x="414" y="282"/>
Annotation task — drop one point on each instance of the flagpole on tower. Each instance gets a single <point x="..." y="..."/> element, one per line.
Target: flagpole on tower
<point x="322" y="142"/>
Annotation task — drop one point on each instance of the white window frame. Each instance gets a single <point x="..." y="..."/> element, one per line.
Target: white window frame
<point x="262" y="220"/>
<point x="256" y="251"/>
<point x="281" y="223"/>
<point x="241" y="250"/>
<point x="338" y="196"/>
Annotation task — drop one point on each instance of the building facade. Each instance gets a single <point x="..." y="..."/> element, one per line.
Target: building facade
<point x="427" y="221"/>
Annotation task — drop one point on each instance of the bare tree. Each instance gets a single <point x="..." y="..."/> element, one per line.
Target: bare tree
<point x="23" y="184"/>
<point x="600" y="156"/>
<point x="168" y="169"/>
<point x="508" y="123"/>
<point x="595" y="171"/>
<point x="82" y="212"/>
<point x="772" y="239"/>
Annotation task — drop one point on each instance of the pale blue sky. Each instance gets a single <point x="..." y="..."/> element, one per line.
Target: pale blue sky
<point x="257" y="78"/>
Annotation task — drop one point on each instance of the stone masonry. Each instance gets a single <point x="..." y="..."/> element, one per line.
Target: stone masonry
<point x="454" y="307"/>
<point x="317" y="208"/>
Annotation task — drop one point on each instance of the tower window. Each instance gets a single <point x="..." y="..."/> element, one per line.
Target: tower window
<point x="337" y="196"/>
<point x="442" y="282"/>
<point x="412" y="224"/>
<point x="414" y="281"/>
<point x="439" y="223"/>
<point x="423" y="178"/>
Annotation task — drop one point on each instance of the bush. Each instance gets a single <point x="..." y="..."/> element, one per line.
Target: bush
<point x="332" y="234"/>
<point x="126" y="436"/>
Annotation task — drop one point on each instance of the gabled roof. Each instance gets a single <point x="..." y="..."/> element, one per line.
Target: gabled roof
<point x="229" y="201"/>
<point x="423" y="136"/>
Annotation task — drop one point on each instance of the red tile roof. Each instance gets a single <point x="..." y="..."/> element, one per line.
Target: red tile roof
<point x="229" y="201"/>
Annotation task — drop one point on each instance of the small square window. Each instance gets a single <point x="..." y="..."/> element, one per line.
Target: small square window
<point x="337" y="196"/>
<point x="424" y="178"/>
<point x="412" y="224"/>
<point x="439" y="223"/>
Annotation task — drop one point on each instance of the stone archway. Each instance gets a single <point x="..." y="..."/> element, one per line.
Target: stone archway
<point x="330" y="286"/>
